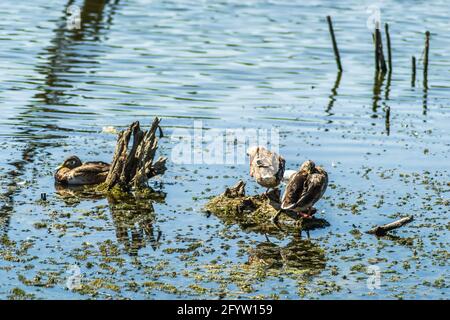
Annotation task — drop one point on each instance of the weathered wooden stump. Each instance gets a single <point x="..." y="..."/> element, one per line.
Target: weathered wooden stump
<point x="131" y="169"/>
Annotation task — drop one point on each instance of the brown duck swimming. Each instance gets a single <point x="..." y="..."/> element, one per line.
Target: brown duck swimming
<point x="266" y="167"/>
<point x="304" y="189"/>
<point x="74" y="172"/>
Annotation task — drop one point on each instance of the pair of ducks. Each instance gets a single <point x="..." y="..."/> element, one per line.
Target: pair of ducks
<point x="304" y="187"/>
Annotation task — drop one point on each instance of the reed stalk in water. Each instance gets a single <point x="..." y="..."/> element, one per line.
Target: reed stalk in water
<point x="335" y="47"/>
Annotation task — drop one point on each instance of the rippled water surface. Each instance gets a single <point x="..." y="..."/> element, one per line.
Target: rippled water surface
<point x="226" y="64"/>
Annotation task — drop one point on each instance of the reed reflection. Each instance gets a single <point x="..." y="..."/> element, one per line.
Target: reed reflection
<point x="61" y="59"/>
<point x="332" y="97"/>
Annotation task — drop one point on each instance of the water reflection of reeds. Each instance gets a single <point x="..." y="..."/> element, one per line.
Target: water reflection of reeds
<point x="62" y="57"/>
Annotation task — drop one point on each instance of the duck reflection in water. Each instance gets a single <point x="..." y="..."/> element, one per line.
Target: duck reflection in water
<point x="300" y="254"/>
<point x="133" y="217"/>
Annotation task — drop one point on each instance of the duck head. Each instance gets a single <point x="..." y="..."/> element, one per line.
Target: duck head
<point x="71" y="162"/>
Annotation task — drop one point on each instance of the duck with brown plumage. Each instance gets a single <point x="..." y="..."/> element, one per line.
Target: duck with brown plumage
<point x="266" y="167"/>
<point x="303" y="190"/>
<point x="73" y="172"/>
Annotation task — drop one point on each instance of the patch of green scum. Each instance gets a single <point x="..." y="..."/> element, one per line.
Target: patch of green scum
<point x="110" y="269"/>
<point x="327" y="287"/>
<point x="19" y="294"/>
<point x="197" y="289"/>
<point x="190" y="248"/>
<point x="227" y="274"/>
<point x="119" y="194"/>
<point x="356" y="233"/>
<point x="358" y="268"/>
<point x="165" y="287"/>
<point x="132" y="286"/>
<point x="93" y="287"/>
<point x="302" y="288"/>
<point x="108" y="248"/>
<point x="439" y="283"/>
<point x="376" y="260"/>
<point x="102" y="187"/>
<point x="40" y="225"/>
<point x="41" y="279"/>
<point x="5" y="241"/>
<point x="16" y="252"/>
<point x="442" y="257"/>
<point x="334" y="270"/>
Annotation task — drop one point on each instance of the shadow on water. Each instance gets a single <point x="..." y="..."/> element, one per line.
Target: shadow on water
<point x="33" y="130"/>
<point x="133" y="217"/>
<point x="299" y="254"/>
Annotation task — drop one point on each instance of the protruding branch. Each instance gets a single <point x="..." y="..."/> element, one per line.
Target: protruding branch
<point x="382" y="230"/>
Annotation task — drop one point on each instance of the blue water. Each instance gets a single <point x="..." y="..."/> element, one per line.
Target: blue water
<point x="265" y="65"/>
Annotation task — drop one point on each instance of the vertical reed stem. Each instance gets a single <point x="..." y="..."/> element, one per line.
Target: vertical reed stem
<point x="379" y="43"/>
<point x="413" y="77"/>
<point x="335" y="47"/>
<point x="377" y="59"/>
<point x="425" y="60"/>
<point x="388" y="43"/>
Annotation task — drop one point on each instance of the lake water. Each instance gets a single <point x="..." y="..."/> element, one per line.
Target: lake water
<point x="265" y="65"/>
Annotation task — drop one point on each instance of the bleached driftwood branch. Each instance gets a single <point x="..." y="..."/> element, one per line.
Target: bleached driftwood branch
<point x="382" y="230"/>
<point x="132" y="169"/>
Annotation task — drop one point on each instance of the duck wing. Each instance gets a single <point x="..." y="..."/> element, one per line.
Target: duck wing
<point x="96" y="163"/>
<point x="89" y="173"/>
<point x="91" y="168"/>
<point x="293" y="191"/>
<point x="314" y="188"/>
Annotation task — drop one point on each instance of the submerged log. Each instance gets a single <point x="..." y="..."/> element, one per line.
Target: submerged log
<point x="382" y="230"/>
<point x="132" y="169"/>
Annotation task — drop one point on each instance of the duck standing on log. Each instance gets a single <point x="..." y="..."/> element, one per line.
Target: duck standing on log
<point x="73" y="172"/>
<point x="266" y="167"/>
<point x="303" y="190"/>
